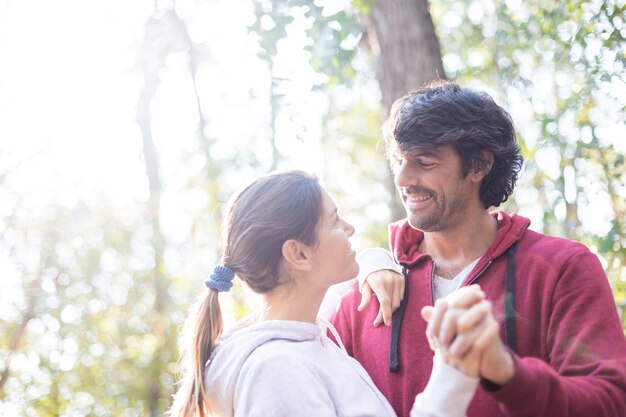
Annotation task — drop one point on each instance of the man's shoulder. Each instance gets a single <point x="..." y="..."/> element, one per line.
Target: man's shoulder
<point x="347" y="313"/>
<point x="351" y="298"/>
<point x="536" y="242"/>
<point x="555" y="253"/>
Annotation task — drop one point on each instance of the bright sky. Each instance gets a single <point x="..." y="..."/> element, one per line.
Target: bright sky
<point x="68" y="90"/>
<point x="67" y="95"/>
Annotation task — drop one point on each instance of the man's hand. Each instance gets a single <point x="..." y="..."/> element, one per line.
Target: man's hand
<point x="440" y="324"/>
<point x="389" y="288"/>
<point x="497" y="363"/>
<point x="464" y="331"/>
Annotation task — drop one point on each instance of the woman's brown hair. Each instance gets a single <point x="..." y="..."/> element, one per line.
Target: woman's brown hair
<point x="259" y="219"/>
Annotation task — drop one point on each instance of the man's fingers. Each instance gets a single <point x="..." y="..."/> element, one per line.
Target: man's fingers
<point x="470" y="324"/>
<point x="473" y="316"/>
<point x="366" y="296"/>
<point x="464" y="342"/>
<point x="488" y="335"/>
<point x="465" y="297"/>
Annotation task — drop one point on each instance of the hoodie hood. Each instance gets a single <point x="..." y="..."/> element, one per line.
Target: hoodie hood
<point x="404" y="240"/>
<point x="234" y="348"/>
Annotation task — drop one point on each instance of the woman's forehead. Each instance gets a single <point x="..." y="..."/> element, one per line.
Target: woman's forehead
<point x="329" y="203"/>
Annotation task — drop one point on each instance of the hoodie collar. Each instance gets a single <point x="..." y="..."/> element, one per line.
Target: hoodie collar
<point x="404" y="239"/>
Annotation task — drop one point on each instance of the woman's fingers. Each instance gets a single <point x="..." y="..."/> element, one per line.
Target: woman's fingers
<point x="449" y="328"/>
<point x="434" y="324"/>
<point x="389" y="289"/>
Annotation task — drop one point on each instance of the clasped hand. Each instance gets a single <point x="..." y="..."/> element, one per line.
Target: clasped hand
<point x="461" y="329"/>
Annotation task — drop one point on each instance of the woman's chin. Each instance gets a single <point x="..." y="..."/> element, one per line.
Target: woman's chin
<point x="355" y="270"/>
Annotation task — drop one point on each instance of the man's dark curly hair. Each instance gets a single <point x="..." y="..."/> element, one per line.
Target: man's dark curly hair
<point x="442" y="113"/>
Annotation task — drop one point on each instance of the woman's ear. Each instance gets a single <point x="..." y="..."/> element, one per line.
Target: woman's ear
<point x="296" y="255"/>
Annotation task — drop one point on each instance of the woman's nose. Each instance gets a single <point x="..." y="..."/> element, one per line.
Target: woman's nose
<point x="349" y="229"/>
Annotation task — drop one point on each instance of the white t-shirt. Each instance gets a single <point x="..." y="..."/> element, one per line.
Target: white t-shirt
<point x="444" y="286"/>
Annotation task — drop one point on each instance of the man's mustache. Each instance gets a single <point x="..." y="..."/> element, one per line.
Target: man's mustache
<point x="416" y="190"/>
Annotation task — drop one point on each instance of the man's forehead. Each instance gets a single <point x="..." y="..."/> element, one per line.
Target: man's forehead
<point x="419" y="151"/>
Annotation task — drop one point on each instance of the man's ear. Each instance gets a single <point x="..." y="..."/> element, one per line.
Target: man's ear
<point x="296" y="255"/>
<point x="481" y="173"/>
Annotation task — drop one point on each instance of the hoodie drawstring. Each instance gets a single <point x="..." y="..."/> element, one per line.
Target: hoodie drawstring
<point x="510" y="330"/>
<point x="396" y="323"/>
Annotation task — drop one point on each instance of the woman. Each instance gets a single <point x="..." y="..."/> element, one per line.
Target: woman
<point x="284" y="238"/>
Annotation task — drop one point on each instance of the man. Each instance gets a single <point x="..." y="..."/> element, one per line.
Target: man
<point x="454" y="155"/>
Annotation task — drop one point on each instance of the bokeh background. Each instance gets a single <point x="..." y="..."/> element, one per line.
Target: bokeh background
<point x="126" y="125"/>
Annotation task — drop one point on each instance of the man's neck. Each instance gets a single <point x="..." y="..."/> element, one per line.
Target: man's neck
<point x="455" y="248"/>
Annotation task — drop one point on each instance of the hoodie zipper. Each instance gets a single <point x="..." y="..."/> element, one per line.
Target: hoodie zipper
<point x="432" y="285"/>
<point x="470" y="282"/>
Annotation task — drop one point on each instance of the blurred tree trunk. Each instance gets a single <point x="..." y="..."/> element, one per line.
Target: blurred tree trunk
<point x="402" y="36"/>
<point x="155" y="276"/>
<point x="153" y="61"/>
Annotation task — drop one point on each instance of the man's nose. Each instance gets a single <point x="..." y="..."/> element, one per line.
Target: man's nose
<point x="405" y="176"/>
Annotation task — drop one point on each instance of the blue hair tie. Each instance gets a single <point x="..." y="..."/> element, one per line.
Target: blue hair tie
<point x="221" y="279"/>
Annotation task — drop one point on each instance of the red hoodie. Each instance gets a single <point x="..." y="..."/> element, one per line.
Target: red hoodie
<point x="571" y="350"/>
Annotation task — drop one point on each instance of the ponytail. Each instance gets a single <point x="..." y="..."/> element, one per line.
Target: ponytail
<point x="202" y="329"/>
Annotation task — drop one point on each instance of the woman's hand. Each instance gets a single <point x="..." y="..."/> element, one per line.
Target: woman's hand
<point x="389" y="289"/>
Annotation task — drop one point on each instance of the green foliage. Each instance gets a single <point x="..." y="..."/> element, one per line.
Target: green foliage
<point x="333" y="45"/>
<point x="364" y="7"/>
<point x="332" y="38"/>
<point x="270" y="25"/>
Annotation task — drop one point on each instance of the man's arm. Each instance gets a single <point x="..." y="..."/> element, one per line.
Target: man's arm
<point x="586" y="371"/>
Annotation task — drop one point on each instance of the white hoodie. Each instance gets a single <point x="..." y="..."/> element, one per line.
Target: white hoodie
<point x="291" y="368"/>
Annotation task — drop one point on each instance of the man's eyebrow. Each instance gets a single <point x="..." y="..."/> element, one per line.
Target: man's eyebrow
<point x="425" y="152"/>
